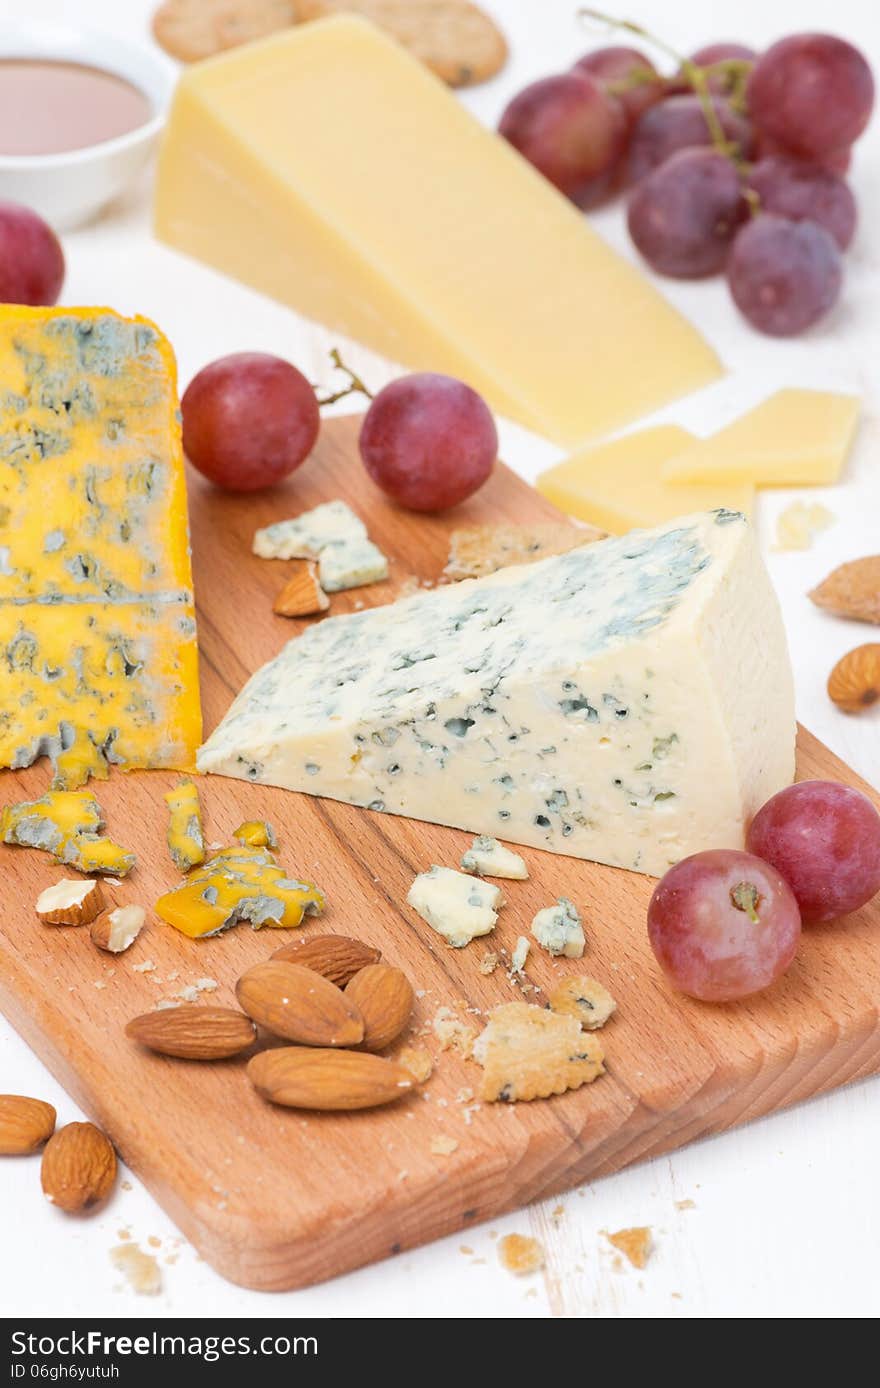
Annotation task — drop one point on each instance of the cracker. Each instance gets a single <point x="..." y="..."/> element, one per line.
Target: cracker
<point x="194" y="29"/>
<point x="452" y="37"/>
<point x="583" y="998"/>
<point x="528" y="1053"/>
<point x="483" y="549"/>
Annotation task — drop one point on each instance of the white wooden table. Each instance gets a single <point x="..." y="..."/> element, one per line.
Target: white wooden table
<point x="786" y="1213"/>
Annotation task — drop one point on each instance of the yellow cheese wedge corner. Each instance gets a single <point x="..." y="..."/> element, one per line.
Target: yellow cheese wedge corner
<point x="793" y="438"/>
<point x="618" y="486"/>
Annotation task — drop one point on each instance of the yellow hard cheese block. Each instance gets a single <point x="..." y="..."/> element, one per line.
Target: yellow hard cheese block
<point x="238" y="884"/>
<point x="327" y="168"/>
<point x="792" y="438"/>
<point x="618" y="486"/>
<point x="98" y="657"/>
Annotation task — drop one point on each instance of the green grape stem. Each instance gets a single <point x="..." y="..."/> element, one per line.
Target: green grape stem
<point x="355" y="385"/>
<point x="696" y="77"/>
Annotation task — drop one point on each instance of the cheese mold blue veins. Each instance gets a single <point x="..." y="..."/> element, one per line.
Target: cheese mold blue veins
<point x="629" y="702"/>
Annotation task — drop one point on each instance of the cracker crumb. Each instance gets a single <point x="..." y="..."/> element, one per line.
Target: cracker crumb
<point x="154" y="1242"/>
<point x="635" y="1243"/>
<point x="418" y="1061"/>
<point x="685" y="1204"/>
<point x="520" y="1254"/>
<point x="482" y="549"/>
<point x="452" y="1032"/>
<point x="126" y="1185"/>
<point x="146" y="967"/>
<point x="489" y="963"/>
<point x="140" y="1269"/>
<point x="443" y="1146"/>
<point x="466" y="1250"/>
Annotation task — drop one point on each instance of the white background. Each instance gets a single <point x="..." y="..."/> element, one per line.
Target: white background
<point x="786" y="1217"/>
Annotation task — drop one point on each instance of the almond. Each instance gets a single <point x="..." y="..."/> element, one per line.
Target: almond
<point x="299" y="1005"/>
<point x="115" y="930"/>
<point x="70" y="902"/>
<point x="337" y="957"/>
<point x="298" y="1077"/>
<point x="384" y="998"/>
<point x="854" y="683"/>
<point x="79" y="1168"/>
<point x="25" y="1124"/>
<point x="852" y="590"/>
<point x="192" y="1032"/>
<point x="302" y="595"/>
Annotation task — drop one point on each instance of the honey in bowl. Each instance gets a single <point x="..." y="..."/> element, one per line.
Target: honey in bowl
<point x="51" y="107"/>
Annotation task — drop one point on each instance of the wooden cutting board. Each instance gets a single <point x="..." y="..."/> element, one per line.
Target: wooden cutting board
<point x="275" y="1198"/>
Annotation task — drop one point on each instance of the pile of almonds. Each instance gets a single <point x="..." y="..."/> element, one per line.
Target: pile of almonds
<point x="330" y="997"/>
<point x="79" y="1164"/>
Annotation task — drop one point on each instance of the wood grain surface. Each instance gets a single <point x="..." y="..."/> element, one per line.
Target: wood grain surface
<point x="275" y="1198"/>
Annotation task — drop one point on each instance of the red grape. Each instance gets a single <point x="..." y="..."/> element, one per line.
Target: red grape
<point x="784" y="275"/>
<point x="684" y="215"/>
<point x="31" y="258"/>
<point x="572" y="131"/>
<point x="628" y="75"/>
<point x="835" y="161"/>
<point x="249" y="419"/>
<point x="824" y="838"/>
<point x="708" y="56"/>
<point x="811" y="92"/>
<point x="680" y="123"/>
<point x="723" y="925"/>
<point x="429" y="441"/>
<point x="804" y="192"/>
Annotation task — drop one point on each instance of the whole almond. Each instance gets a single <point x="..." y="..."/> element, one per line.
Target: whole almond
<point x="336" y="957"/>
<point x="79" y="1168"/>
<point x="854" y="683"/>
<point x="25" y="1124"/>
<point x="192" y="1032"/>
<point x="327" y="1079"/>
<point x="384" y="998"/>
<point x="299" y="1005"/>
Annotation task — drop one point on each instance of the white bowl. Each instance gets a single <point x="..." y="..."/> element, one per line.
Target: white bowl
<point x="71" y="187"/>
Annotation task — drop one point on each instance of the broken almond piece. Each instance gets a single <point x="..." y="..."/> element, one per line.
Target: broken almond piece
<point x="635" y="1244"/>
<point x="302" y="595"/>
<point x="854" y="683"/>
<point x="852" y="590"/>
<point x="116" y="929"/>
<point x="70" y="902"/>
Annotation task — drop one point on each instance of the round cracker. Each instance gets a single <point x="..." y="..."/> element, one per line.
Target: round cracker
<point x="194" y="29"/>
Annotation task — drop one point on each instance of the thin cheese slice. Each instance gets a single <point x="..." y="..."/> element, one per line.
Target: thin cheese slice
<point x="329" y="169"/>
<point x="618" y="486"/>
<point x="793" y="438"/>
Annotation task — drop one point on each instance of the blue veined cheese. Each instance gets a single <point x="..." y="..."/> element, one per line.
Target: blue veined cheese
<point x="306" y="535"/>
<point x="458" y="907"/>
<point x="520" y="955"/>
<point x="350" y="564"/>
<point x="630" y="701"/>
<point x="489" y="858"/>
<point x="558" y="929"/>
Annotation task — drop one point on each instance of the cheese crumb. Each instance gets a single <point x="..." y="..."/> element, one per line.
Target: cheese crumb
<point x="558" y="929"/>
<point x="520" y="955"/>
<point x="520" y="1254"/>
<point x="799" y="524"/>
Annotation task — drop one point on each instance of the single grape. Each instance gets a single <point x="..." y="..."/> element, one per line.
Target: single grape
<point x="680" y="123"/>
<point x="804" y="192"/>
<point x="723" y="925"/>
<point x="31" y="258"/>
<point x="572" y="131"/>
<point x="811" y="92"/>
<point x="249" y="420"/>
<point x="684" y="215"/>
<point x="429" y="441"/>
<point x="824" y="838"/>
<point x="784" y="275"/>
<point x="628" y="75"/>
<point x="835" y="161"/>
<point x="708" y="56"/>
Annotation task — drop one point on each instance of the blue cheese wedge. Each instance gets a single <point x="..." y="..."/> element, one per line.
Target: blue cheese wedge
<point x="351" y="564"/>
<point x="558" y="929"/>
<point x="489" y="858"/>
<point x="630" y="701"/>
<point x="305" y="536"/>
<point x="458" y="907"/>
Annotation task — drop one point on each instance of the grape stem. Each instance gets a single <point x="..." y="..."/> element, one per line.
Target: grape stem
<point x="355" y="385"/>
<point x="696" y="77"/>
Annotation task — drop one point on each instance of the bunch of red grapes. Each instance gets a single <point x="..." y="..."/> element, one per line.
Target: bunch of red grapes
<point x="735" y="164"/>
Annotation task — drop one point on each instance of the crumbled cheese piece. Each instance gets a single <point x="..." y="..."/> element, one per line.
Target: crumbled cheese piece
<point x="488" y="858"/>
<point x="443" y="1146"/>
<point x="459" y="907"/>
<point x="306" y="535"/>
<point x="140" y="1269"/>
<point x="351" y="564"/>
<point x="451" y="1031"/>
<point x="256" y="833"/>
<point x="186" y="838"/>
<point x="520" y="955"/>
<point x="520" y="1255"/>
<point x="238" y="884"/>
<point x="66" y="824"/>
<point x="583" y="998"/>
<point x="528" y="1052"/>
<point x="799" y="524"/>
<point x="636" y="1244"/>
<point x="558" y="929"/>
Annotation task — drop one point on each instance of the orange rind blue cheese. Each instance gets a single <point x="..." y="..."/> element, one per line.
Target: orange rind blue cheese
<point x="186" y="838"/>
<point x="256" y="833"/>
<point x="66" y="824"/>
<point x="238" y="884"/>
